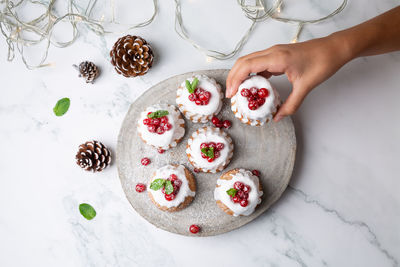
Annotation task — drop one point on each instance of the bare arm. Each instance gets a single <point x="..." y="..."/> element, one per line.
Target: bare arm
<point x="310" y="63"/>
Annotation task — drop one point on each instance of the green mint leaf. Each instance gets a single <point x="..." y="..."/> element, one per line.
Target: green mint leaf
<point x="208" y="151"/>
<point x="195" y="83"/>
<point x="157" y="184"/>
<point x="168" y="187"/>
<point x="158" y="114"/>
<point x="61" y="107"/>
<point x="204" y="151"/>
<point x="87" y="211"/>
<point x="189" y="87"/>
<point x="232" y="192"/>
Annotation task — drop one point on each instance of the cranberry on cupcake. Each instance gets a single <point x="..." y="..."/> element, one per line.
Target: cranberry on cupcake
<point x="209" y="149"/>
<point x="199" y="98"/>
<point x="161" y="126"/>
<point x="172" y="188"/>
<point x="256" y="101"/>
<point x="238" y="192"/>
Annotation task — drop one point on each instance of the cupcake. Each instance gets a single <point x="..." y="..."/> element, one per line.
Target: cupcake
<point x="256" y="101"/>
<point x="238" y="192"/>
<point x="199" y="98"/>
<point x="209" y="149"/>
<point x="161" y="126"/>
<point x="172" y="188"/>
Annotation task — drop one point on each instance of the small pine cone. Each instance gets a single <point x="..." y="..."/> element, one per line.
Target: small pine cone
<point x="93" y="156"/>
<point x="88" y="70"/>
<point x="131" y="56"/>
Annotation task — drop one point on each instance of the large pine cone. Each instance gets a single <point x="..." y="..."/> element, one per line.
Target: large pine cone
<point x="93" y="156"/>
<point x="132" y="56"/>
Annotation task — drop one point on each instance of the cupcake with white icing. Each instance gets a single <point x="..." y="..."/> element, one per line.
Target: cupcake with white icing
<point x="199" y="98"/>
<point x="209" y="149"/>
<point x="161" y="126"/>
<point x="238" y="192"/>
<point x="256" y="101"/>
<point x="172" y="188"/>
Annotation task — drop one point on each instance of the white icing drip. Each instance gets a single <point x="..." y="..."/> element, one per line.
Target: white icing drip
<point x="206" y="135"/>
<point x="198" y="113"/>
<point x="168" y="138"/>
<point x="255" y="194"/>
<point x="184" y="191"/>
<point x="260" y="115"/>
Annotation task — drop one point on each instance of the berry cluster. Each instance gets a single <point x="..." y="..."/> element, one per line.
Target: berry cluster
<point x="211" y="151"/>
<point x="242" y="194"/>
<point x="200" y="96"/>
<point x="255" y="96"/>
<point x="176" y="183"/>
<point x="219" y="123"/>
<point x="157" y="125"/>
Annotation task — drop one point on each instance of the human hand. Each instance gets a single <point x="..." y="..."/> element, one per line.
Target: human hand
<point x="305" y="64"/>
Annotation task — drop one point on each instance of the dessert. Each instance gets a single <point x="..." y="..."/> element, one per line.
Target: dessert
<point x="238" y="192"/>
<point x="209" y="149"/>
<point x="161" y="126"/>
<point x="172" y="188"/>
<point x="199" y="98"/>
<point x="256" y="101"/>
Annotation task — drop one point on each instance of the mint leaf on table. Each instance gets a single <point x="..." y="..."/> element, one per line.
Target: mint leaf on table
<point x="192" y="86"/>
<point x="232" y="192"/>
<point x="87" y="211"/>
<point x="62" y="106"/>
<point x="168" y="187"/>
<point x="158" y="114"/>
<point x="208" y="151"/>
<point x="157" y="184"/>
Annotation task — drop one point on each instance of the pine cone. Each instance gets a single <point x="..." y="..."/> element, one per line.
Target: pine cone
<point x="88" y="70"/>
<point x="132" y="56"/>
<point x="93" y="156"/>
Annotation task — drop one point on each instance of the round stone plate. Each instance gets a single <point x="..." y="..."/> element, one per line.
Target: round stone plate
<point x="269" y="149"/>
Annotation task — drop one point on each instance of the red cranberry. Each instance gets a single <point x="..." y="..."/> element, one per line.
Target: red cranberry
<point x="164" y="119"/>
<point x="263" y="93"/>
<point x="145" y="161"/>
<point x="215" y="120"/>
<point x="140" y="188"/>
<point x="254" y="91"/>
<point x="169" y="197"/>
<point x="155" y="121"/>
<point x="198" y="102"/>
<point x="203" y="155"/>
<point x="244" y="203"/>
<point x="203" y="97"/>
<point x="253" y="105"/>
<point x="176" y="189"/>
<point x="167" y="127"/>
<point x="178" y="183"/>
<point x="173" y="177"/>
<point x="160" y="150"/>
<point x="207" y="94"/>
<point x="220" y="125"/>
<point x="256" y="173"/>
<point x="238" y="185"/>
<point x="196" y="170"/>
<point x="212" y="144"/>
<point x="260" y="101"/>
<point x="192" y="97"/>
<point x="204" y="103"/>
<point x="194" y="229"/>
<point x="160" y="130"/>
<point x="245" y="92"/>
<point x="227" y="124"/>
<point x="151" y="128"/>
<point x="246" y="189"/>
<point x="236" y="199"/>
<point x="146" y="121"/>
<point x="203" y="145"/>
<point x="219" y="146"/>
<point x="217" y="154"/>
<point x="210" y="159"/>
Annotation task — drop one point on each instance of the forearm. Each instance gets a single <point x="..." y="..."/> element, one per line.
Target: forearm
<point x="376" y="36"/>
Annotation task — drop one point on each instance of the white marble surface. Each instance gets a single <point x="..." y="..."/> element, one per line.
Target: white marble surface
<point x="343" y="204"/>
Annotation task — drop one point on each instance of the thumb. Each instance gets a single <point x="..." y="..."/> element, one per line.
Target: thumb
<point x="292" y="103"/>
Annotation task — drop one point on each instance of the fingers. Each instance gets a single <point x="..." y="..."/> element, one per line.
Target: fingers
<point x="291" y="105"/>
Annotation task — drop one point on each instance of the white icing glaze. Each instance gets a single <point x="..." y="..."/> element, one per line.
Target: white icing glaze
<point x="198" y="113"/>
<point x="169" y="138"/>
<point x="206" y="135"/>
<point x="184" y="191"/>
<point x="260" y="115"/>
<point x="255" y="194"/>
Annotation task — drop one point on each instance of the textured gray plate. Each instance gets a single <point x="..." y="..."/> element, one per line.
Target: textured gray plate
<point x="270" y="149"/>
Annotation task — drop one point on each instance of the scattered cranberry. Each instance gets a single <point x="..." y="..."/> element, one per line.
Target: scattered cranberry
<point x="256" y="173"/>
<point x="255" y="96"/>
<point x="215" y="120"/>
<point x="200" y="96"/>
<point x="157" y="125"/>
<point x="227" y="124"/>
<point x="140" y="188"/>
<point x="194" y="229"/>
<point x="145" y="161"/>
<point x="196" y="170"/>
<point x="160" y="150"/>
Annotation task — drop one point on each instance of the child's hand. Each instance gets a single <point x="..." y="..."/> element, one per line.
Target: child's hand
<point x="305" y="64"/>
